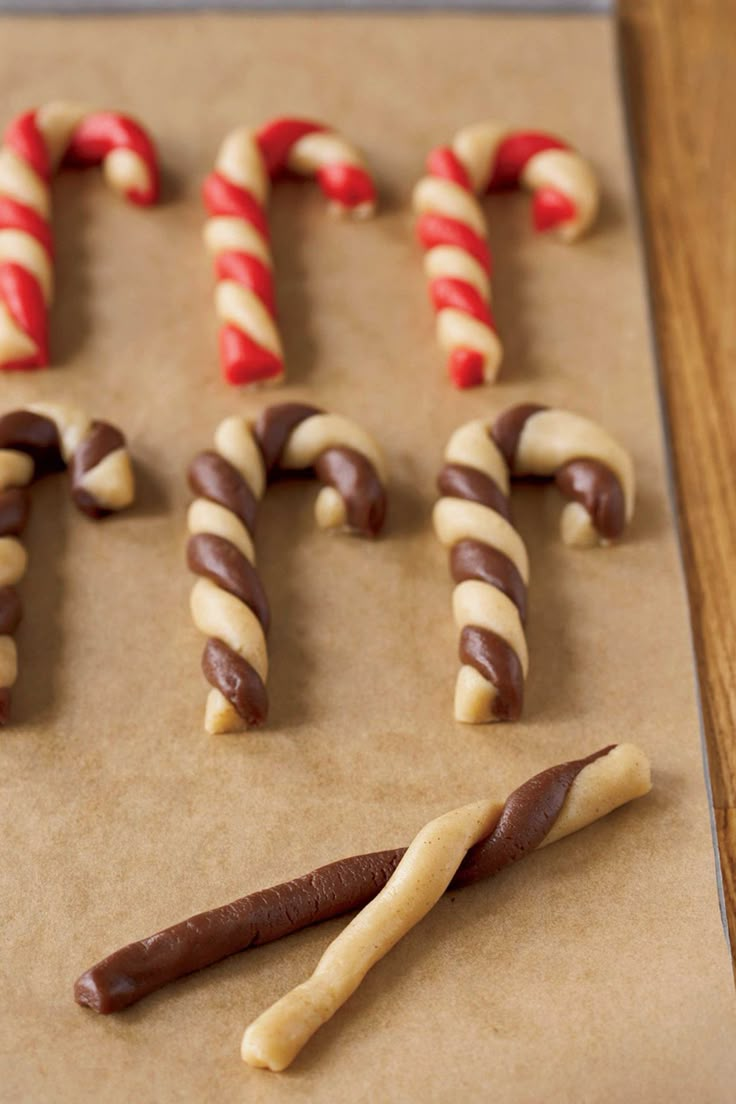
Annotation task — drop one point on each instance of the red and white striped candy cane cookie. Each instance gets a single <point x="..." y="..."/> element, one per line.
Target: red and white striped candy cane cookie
<point x="451" y="227"/>
<point x="236" y="232"/>
<point x="35" y="145"/>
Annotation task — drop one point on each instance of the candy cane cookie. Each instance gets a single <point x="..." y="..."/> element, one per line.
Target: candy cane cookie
<point x="41" y="438"/>
<point x="488" y="559"/>
<point x="236" y="232"/>
<point x="451" y="227"/>
<point x="550" y="806"/>
<point x="228" y="603"/>
<point x="35" y="146"/>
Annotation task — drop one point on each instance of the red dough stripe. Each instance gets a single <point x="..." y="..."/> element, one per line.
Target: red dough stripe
<point x="276" y="139"/>
<point x="436" y="230"/>
<point x="551" y="208"/>
<point x="348" y="185"/>
<point x="20" y="292"/>
<point x="222" y="197"/>
<point x="99" y="134"/>
<point x="245" y="362"/>
<point x="514" y="152"/>
<point x="248" y="271"/>
<point x="16" y="216"/>
<point x="23" y="137"/>
<point x="446" y="291"/>
<point x="442" y="162"/>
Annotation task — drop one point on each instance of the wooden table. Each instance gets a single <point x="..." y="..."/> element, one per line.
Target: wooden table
<point x="680" y="69"/>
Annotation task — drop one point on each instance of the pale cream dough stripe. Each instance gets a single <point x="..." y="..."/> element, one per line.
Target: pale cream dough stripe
<point x="424" y="873"/>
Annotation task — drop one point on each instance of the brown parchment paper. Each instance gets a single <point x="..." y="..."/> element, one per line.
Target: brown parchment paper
<point x="596" y="971"/>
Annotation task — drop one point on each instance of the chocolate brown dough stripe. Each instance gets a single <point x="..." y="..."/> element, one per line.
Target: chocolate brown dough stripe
<point x="531" y="817"/>
<point x="228" y="602"/>
<point x="35" y="441"/>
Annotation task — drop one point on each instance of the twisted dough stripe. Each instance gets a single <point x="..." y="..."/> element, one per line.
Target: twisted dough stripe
<point x="41" y="438"/>
<point x="236" y="232"/>
<point x="35" y="145"/>
<point x="228" y="603"/>
<point x="449" y="850"/>
<point x="544" y="809"/>
<point x="452" y="230"/>
<point x="488" y="560"/>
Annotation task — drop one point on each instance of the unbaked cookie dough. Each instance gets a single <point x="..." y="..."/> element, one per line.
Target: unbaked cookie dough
<point x="228" y="603"/>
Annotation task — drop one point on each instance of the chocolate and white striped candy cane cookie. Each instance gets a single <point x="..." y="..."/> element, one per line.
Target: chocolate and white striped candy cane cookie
<point x="35" y="145"/>
<point x="228" y="603"/>
<point x="488" y="157"/>
<point x="41" y="438"/>
<point x="237" y="235"/>
<point x="488" y="560"/>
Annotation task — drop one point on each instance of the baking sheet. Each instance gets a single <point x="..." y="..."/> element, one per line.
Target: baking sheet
<point x="596" y="971"/>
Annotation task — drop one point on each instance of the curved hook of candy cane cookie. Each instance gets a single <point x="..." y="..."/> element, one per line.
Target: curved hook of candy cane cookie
<point x="488" y="559"/>
<point x="228" y="602"/>
<point x="37" y="439"/>
<point x="451" y="228"/>
<point x="236" y="232"/>
<point x="35" y="145"/>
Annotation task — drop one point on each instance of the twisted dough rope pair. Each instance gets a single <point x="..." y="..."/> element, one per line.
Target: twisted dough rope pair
<point x="546" y="808"/>
<point x="35" y="145"/>
<point x="228" y="603"/>
<point x="451" y="228"/>
<point x="488" y="559"/>
<point x="35" y="440"/>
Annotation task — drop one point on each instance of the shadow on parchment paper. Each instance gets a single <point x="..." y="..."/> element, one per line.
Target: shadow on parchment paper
<point x="69" y="318"/>
<point x="290" y="242"/>
<point x="508" y="215"/>
<point x="69" y="321"/>
<point x="39" y="635"/>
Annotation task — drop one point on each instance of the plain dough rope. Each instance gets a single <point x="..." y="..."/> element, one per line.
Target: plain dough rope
<point x="451" y="227"/>
<point x="35" y="145"/>
<point x="488" y="559"/>
<point x="228" y="603"/>
<point x="612" y="778"/>
<point x="36" y="439"/>
<point x="236" y="232"/>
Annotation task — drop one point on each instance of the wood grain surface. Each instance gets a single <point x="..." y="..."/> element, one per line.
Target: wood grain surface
<point x="680" y="70"/>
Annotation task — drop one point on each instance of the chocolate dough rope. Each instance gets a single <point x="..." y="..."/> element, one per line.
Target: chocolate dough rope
<point x="451" y="228"/>
<point x="548" y="807"/>
<point x="41" y="438"/>
<point x="35" y="145"/>
<point x="488" y="560"/>
<point x="236" y="232"/>
<point x="228" y="602"/>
